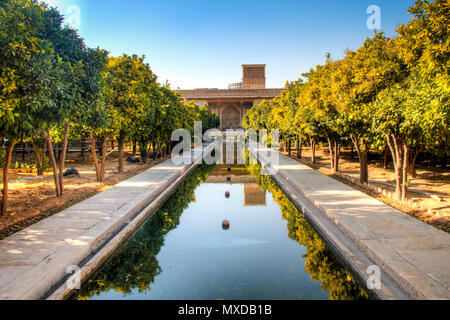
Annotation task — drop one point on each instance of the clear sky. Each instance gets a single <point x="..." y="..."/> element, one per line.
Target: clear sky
<point x="203" y="43"/>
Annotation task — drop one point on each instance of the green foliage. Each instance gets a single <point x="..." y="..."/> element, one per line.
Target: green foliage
<point x="209" y="119"/>
<point x="388" y="89"/>
<point x="25" y="68"/>
<point x="416" y="110"/>
<point x="142" y="109"/>
<point x="424" y="42"/>
<point x="20" y="165"/>
<point x="259" y="117"/>
<point x="126" y="92"/>
<point x="51" y="82"/>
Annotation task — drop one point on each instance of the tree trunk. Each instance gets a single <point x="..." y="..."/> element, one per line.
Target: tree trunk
<point x="43" y="154"/>
<point x="121" y="141"/>
<point x="363" y="155"/>
<point x="405" y="172"/>
<point x="58" y="148"/>
<point x="103" y="161"/>
<point x="299" y="148"/>
<point x="313" y="150"/>
<point x="48" y="139"/>
<point x="337" y="154"/>
<point x="331" y="148"/>
<point x="94" y="156"/>
<point x="289" y="147"/>
<point x="386" y="159"/>
<point x="364" y="167"/>
<point x="283" y="145"/>
<point x="398" y="181"/>
<point x="154" y="150"/>
<point x="62" y="159"/>
<point x="9" y="150"/>
<point x="334" y="147"/>
<point x="134" y="148"/>
<point x="397" y="150"/>
<point x="169" y="148"/>
<point x="82" y="146"/>
<point x="39" y="170"/>
<point x="412" y="167"/>
<point x="144" y="151"/>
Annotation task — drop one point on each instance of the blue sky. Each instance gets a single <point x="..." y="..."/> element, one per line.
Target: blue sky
<point x="202" y="43"/>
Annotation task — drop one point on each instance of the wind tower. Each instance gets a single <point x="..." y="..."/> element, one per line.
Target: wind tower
<point x="254" y="76"/>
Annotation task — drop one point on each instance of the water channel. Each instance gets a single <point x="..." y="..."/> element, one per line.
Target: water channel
<point x="185" y="251"/>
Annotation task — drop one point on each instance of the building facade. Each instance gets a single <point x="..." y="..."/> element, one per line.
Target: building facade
<point x="232" y="104"/>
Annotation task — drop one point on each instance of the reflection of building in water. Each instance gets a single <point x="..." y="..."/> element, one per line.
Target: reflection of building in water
<point x="254" y="195"/>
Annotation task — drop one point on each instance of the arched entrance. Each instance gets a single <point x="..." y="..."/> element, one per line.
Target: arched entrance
<point x="230" y="118"/>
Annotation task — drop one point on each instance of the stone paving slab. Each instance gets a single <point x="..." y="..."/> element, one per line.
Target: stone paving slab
<point x="414" y="254"/>
<point x="35" y="259"/>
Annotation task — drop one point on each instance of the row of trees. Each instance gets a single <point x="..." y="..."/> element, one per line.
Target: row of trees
<point x="53" y="87"/>
<point x="390" y="94"/>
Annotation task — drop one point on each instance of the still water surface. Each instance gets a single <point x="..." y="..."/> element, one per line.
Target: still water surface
<point x="184" y="253"/>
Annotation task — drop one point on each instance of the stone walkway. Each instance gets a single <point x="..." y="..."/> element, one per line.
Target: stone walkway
<point x="414" y="255"/>
<point x="35" y="259"/>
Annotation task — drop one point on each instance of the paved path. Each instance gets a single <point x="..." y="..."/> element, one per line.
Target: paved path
<point x="416" y="256"/>
<point x="35" y="259"/>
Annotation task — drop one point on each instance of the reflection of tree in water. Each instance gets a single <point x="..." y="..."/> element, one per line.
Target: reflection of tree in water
<point x="320" y="262"/>
<point x="135" y="266"/>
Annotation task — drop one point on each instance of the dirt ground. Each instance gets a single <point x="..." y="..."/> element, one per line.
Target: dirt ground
<point x="33" y="198"/>
<point x="422" y="206"/>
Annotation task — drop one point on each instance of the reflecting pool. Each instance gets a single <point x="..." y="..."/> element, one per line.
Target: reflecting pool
<point x="187" y="251"/>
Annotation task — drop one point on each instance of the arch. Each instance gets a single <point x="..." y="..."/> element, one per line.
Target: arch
<point x="230" y="118"/>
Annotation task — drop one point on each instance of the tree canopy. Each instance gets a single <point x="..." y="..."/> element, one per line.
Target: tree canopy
<point x="389" y="93"/>
<point x="52" y="86"/>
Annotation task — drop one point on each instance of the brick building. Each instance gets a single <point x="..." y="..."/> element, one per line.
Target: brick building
<point x="231" y="104"/>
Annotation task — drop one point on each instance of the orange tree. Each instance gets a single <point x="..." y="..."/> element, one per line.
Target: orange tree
<point x="319" y="110"/>
<point x="416" y="112"/>
<point x="359" y="78"/>
<point x="27" y="72"/>
<point x="95" y="118"/>
<point x="125" y="95"/>
<point x="283" y="114"/>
